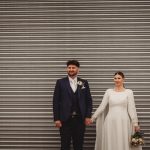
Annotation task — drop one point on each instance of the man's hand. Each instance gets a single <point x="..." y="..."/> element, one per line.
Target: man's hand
<point x="58" y="124"/>
<point x="87" y="121"/>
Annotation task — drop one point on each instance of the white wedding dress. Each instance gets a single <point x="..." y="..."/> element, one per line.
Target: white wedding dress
<point x="115" y="118"/>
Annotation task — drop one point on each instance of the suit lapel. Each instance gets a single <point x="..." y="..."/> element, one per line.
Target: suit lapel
<point x="67" y="83"/>
<point x="78" y="88"/>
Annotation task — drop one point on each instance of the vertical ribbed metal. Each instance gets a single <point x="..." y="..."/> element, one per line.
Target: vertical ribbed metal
<point x="36" y="40"/>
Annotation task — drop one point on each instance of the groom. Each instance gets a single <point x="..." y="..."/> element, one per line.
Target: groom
<point x="72" y="107"/>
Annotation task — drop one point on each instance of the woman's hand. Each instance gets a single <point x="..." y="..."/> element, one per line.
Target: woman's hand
<point x="137" y="128"/>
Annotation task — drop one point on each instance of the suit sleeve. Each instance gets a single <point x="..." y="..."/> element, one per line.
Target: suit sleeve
<point x="56" y="101"/>
<point x="89" y="102"/>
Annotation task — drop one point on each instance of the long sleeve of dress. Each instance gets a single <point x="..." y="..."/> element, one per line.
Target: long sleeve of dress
<point x="132" y="108"/>
<point x="102" y="106"/>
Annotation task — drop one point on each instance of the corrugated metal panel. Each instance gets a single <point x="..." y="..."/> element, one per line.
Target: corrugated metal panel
<point x="38" y="37"/>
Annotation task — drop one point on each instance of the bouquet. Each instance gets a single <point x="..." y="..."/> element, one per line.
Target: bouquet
<point x="137" y="139"/>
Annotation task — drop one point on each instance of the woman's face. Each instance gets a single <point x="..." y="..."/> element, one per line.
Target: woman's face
<point x="118" y="80"/>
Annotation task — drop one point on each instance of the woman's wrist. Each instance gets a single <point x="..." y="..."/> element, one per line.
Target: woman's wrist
<point x="93" y="118"/>
<point x="135" y="124"/>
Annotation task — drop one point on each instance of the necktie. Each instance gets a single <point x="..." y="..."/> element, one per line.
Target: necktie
<point x="74" y="85"/>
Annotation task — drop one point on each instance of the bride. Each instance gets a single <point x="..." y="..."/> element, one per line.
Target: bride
<point x="116" y="118"/>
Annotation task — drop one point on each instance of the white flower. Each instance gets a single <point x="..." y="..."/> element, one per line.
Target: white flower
<point x="133" y="139"/>
<point x="79" y="83"/>
<point x="140" y="139"/>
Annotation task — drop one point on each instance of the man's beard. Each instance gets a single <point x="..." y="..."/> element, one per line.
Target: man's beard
<point x="72" y="74"/>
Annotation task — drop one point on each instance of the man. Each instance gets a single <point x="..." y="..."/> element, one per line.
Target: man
<point x="72" y="107"/>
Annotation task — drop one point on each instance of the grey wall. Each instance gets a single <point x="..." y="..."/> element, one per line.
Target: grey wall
<point x="36" y="40"/>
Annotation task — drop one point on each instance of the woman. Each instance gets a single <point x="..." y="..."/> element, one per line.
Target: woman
<point x="116" y="118"/>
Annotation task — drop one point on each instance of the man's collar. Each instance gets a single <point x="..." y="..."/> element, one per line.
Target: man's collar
<point x="70" y="79"/>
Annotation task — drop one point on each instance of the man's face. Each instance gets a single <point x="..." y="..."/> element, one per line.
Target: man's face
<point x="72" y="70"/>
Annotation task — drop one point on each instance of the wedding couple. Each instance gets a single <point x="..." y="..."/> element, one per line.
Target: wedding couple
<point x="116" y="117"/>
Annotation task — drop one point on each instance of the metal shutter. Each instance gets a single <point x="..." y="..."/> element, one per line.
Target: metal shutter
<point x="36" y="40"/>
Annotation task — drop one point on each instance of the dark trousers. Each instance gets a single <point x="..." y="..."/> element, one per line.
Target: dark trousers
<point x="73" y="129"/>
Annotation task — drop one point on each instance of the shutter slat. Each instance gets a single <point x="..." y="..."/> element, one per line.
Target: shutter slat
<point x="36" y="40"/>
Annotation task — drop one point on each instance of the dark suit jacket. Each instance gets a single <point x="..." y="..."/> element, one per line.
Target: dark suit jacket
<point x="62" y="99"/>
